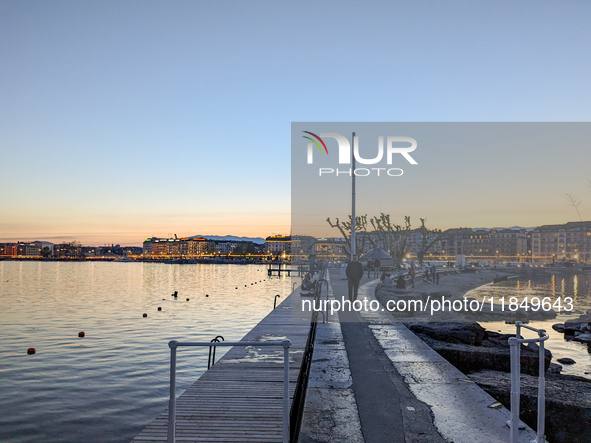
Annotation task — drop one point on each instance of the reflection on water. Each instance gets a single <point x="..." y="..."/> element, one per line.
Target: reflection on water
<point x="107" y="386"/>
<point x="566" y="285"/>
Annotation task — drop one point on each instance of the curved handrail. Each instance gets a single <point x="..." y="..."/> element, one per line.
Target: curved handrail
<point x="515" y="344"/>
<point x="210" y="360"/>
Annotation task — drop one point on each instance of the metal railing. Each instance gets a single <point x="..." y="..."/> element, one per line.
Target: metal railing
<point x="318" y="294"/>
<point x="174" y="344"/>
<point x="210" y="361"/>
<point x="515" y="343"/>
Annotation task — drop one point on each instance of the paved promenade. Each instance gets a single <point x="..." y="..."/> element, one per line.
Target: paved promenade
<point x="401" y="390"/>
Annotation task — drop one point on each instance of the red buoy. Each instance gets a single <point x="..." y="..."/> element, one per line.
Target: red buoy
<point x="159" y="308"/>
<point x="81" y="334"/>
<point x="31" y="351"/>
<point x="145" y="315"/>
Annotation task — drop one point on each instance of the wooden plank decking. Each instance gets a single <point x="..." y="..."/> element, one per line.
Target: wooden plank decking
<point x="240" y="398"/>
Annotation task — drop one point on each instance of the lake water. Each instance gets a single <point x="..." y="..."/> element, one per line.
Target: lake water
<point x="576" y="286"/>
<point x="110" y="384"/>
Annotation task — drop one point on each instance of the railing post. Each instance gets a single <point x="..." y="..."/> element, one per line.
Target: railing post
<point x="518" y="327"/>
<point x="541" y="390"/>
<point x="515" y="372"/>
<point x="286" y="346"/>
<point x="172" y="402"/>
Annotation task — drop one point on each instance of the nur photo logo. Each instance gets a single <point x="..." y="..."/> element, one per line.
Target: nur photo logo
<point x="394" y="145"/>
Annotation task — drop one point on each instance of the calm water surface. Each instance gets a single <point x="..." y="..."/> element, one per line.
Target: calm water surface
<point x="576" y="286"/>
<point x="107" y="386"/>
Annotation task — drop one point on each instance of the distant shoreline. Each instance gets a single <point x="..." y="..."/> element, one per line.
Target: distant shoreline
<point x="219" y="260"/>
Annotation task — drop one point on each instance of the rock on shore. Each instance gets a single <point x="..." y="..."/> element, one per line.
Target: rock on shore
<point x="568" y="402"/>
<point x="469" y="347"/>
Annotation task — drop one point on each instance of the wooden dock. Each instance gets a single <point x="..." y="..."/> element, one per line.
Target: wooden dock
<point x="278" y="271"/>
<point x="240" y="398"/>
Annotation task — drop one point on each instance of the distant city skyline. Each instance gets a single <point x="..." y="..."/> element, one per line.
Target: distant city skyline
<point x="333" y="234"/>
<point x="121" y="120"/>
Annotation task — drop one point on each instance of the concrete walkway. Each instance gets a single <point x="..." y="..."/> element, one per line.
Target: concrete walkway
<point x="402" y="390"/>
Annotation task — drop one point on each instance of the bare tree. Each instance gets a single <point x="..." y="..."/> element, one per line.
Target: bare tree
<point x="574" y="203"/>
<point x="361" y="236"/>
<point x="428" y="239"/>
<point x="393" y="237"/>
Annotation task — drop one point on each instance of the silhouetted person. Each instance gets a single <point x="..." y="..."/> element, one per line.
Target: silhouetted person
<point x="354" y="273"/>
<point x="369" y="267"/>
<point x="400" y="283"/>
<point x="376" y="266"/>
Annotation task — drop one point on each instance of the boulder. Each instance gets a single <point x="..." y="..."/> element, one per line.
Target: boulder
<point x="568" y="402"/>
<point x="470" y="333"/>
<point x="583" y="338"/>
<point x="573" y="326"/>
<point x="470" y="358"/>
<point x="566" y="361"/>
<point x="558" y="327"/>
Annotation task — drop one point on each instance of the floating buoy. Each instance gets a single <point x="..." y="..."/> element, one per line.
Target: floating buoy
<point x="145" y="315"/>
<point x="159" y="308"/>
<point x="81" y="334"/>
<point x="31" y="351"/>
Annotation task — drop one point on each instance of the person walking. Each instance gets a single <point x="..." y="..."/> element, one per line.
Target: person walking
<point x="354" y="273"/>
<point x="369" y="267"/>
<point x="433" y="272"/>
<point x="376" y="267"/>
<point x="412" y="274"/>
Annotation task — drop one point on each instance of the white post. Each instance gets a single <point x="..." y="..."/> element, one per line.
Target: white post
<point x="353" y="243"/>
<point x="172" y="401"/>
<point x="514" y="344"/>
<point x="541" y="390"/>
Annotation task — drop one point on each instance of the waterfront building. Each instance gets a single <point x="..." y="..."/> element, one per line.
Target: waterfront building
<point x="508" y="242"/>
<point x="278" y="244"/>
<point x="196" y="246"/>
<point x="8" y="249"/>
<point x="225" y="247"/>
<point x="301" y="248"/>
<point x="173" y="247"/>
<point x="68" y="250"/>
<point x="452" y="241"/>
<point x="26" y="249"/>
<point x="44" y="244"/>
<point x="476" y="243"/>
<point x="570" y="241"/>
<point x="331" y="249"/>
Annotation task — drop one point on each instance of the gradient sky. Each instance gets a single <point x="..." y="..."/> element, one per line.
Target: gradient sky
<point x="122" y="120"/>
